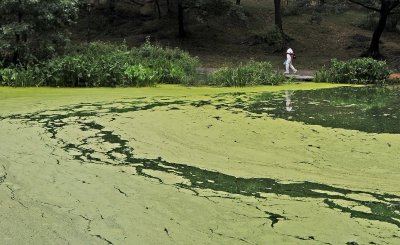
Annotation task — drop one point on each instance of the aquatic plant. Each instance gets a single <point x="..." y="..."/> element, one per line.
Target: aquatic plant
<point x="355" y="71"/>
<point x="140" y="75"/>
<point x="104" y="65"/>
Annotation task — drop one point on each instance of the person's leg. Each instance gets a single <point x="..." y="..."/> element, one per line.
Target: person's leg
<point x="287" y="66"/>
<point x="292" y="67"/>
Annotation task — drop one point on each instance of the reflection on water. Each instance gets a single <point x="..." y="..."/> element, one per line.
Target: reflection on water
<point x="288" y="94"/>
<point x="368" y="109"/>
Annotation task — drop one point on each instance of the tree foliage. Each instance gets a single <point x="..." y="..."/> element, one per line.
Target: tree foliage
<point x="384" y="8"/>
<point x="34" y="29"/>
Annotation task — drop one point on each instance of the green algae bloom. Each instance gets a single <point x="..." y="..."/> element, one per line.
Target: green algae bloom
<point x="181" y="165"/>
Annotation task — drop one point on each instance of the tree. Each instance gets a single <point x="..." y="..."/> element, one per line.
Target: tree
<point x="384" y="8"/>
<point x="34" y="29"/>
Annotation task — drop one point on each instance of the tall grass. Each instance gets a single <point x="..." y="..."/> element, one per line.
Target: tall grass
<point x="355" y="71"/>
<point x="105" y="65"/>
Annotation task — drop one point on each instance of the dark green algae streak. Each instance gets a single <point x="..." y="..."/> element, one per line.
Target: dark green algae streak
<point x="385" y="207"/>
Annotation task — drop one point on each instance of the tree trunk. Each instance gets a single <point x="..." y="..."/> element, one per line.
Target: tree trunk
<point x="237" y="2"/>
<point x="278" y="15"/>
<point x="181" y="33"/>
<point x="373" y="50"/>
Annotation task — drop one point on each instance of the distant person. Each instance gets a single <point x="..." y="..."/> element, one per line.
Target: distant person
<point x="289" y="61"/>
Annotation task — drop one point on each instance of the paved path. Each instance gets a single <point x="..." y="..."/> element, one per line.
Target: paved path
<point x="300" y="77"/>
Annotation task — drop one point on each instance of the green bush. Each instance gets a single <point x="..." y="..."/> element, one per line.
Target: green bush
<point x="355" y="71"/>
<point x="77" y="70"/>
<point x="172" y="65"/>
<point x="105" y="65"/>
<point x="8" y="76"/>
<point x="250" y="74"/>
<point x="140" y="75"/>
<point x="19" y="76"/>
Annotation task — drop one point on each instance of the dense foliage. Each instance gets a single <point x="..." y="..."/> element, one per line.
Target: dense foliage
<point x="34" y="29"/>
<point x="104" y="65"/>
<point x="355" y="71"/>
<point x="250" y="74"/>
<point x="100" y="64"/>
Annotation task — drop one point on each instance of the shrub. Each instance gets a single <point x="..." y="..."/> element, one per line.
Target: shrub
<point x="250" y="74"/>
<point x="355" y="71"/>
<point x="19" y="76"/>
<point x="323" y="75"/>
<point x="8" y="76"/>
<point x="140" y="75"/>
<point x="171" y="65"/>
<point x="101" y="64"/>
<point x="97" y="48"/>
<point x="96" y="64"/>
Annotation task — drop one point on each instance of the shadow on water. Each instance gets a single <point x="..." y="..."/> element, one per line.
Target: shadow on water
<point x="367" y="109"/>
<point x="382" y="207"/>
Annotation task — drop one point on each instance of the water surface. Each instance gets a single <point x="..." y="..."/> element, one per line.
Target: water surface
<point x="153" y="165"/>
<point x="368" y="109"/>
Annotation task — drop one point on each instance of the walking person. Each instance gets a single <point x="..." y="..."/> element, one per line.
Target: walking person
<point x="289" y="61"/>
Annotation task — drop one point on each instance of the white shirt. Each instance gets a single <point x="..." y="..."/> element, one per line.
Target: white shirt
<point x="288" y="52"/>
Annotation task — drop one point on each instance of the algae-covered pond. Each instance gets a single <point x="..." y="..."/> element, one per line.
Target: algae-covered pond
<point x="306" y="163"/>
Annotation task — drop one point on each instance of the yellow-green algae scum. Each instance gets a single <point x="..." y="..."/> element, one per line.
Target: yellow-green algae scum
<point x="177" y="165"/>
